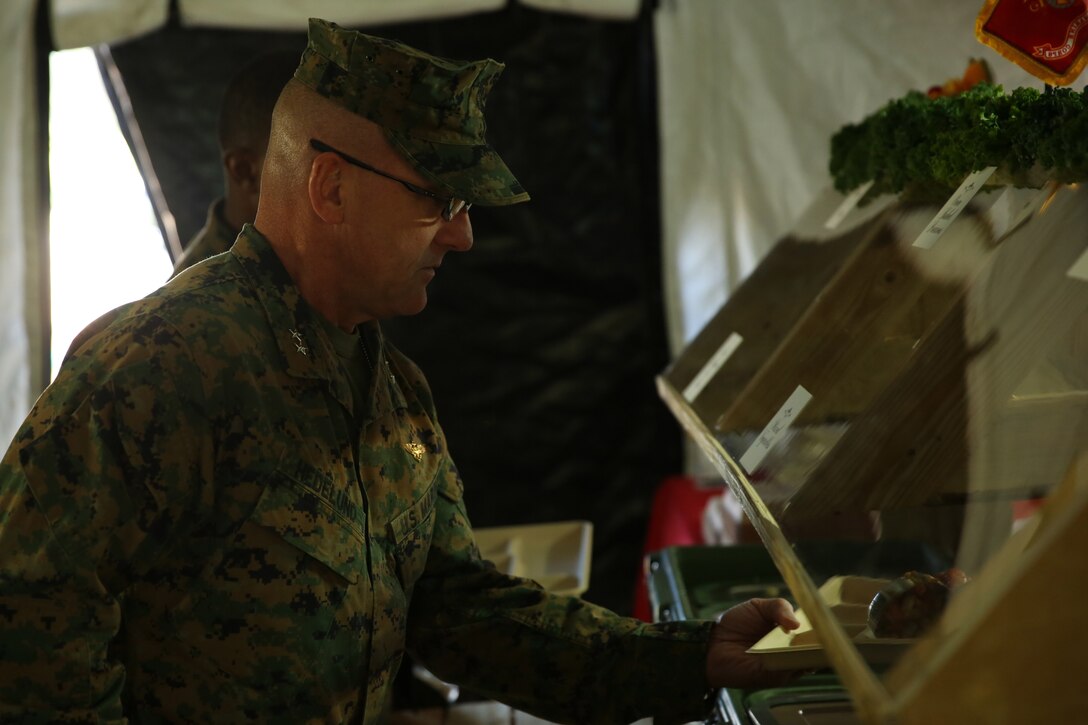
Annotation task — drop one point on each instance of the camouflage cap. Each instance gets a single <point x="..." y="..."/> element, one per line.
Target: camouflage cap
<point x="431" y="108"/>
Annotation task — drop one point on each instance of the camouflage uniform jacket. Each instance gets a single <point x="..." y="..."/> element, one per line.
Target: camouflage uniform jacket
<point x="196" y="526"/>
<point x="215" y="237"/>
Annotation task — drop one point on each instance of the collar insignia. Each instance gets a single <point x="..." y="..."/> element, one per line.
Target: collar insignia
<point x="298" y="341"/>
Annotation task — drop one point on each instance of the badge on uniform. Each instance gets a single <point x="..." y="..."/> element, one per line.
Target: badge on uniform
<point x="416" y="449"/>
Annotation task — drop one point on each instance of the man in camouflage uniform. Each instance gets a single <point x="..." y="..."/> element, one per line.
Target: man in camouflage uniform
<point x="235" y="503"/>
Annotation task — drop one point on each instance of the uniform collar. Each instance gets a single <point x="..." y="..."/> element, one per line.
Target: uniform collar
<point x="304" y="347"/>
<point x="217" y="220"/>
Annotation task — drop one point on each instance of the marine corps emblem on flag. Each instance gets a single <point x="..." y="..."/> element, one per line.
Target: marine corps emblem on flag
<point x="1047" y="38"/>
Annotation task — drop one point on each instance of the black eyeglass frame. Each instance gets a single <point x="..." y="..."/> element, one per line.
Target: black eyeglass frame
<point x="451" y="206"/>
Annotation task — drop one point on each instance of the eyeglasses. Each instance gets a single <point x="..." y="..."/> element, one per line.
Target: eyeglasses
<point x="451" y="207"/>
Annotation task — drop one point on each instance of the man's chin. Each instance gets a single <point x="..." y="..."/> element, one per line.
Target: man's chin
<point x="415" y="308"/>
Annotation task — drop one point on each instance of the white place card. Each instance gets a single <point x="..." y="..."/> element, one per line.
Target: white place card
<point x="1014" y="206"/>
<point x="777" y="428"/>
<point x="848" y="205"/>
<point x="712" y="366"/>
<point x="952" y="208"/>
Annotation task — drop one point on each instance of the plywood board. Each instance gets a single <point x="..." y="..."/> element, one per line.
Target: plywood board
<point x="762" y="311"/>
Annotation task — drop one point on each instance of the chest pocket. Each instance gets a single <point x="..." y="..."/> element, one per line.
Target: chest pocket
<point x="411" y="534"/>
<point x="293" y="509"/>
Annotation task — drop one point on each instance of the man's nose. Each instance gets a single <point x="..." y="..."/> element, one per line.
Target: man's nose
<point x="456" y="233"/>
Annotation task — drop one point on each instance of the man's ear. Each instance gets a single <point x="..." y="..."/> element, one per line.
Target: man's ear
<point x="244" y="168"/>
<point x="325" y="189"/>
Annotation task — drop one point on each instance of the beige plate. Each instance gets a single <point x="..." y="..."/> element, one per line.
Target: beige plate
<point x="555" y="555"/>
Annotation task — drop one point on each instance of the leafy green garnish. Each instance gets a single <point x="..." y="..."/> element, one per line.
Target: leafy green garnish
<point x="918" y="142"/>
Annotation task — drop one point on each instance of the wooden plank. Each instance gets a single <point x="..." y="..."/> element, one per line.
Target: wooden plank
<point x="1035" y="315"/>
<point x="763" y="310"/>
<point x="946" y="426"/>
<point x="910" y="440"/>
<point x="858" y="334"/>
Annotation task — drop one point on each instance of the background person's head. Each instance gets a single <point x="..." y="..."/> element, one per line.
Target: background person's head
<point x="245" y="117"/>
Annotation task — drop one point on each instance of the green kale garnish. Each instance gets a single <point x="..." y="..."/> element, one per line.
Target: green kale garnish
<point x="915" y="142"/>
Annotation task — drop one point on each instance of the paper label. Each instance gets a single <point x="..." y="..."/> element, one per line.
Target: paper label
<point x="1079" y="270"/>
<point x="1029" y="207"/>
<point x="952" y="208"/>
<point x="777" y="428"/>
<point x="1013" y="207"/>
<point x="848" y="205"/>
<point x="712" y="366"/>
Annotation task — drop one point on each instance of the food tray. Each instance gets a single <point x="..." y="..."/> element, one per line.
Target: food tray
<point x="848" y="598"/>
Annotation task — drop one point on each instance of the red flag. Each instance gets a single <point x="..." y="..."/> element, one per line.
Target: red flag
<point x="1047" y="38"/>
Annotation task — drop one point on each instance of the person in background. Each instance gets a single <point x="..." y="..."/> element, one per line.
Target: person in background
<point x="245" y="116"/>
<point x="236" y="503"/>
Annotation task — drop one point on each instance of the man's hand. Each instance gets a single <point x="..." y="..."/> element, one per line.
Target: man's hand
<point x="727" y="663"/>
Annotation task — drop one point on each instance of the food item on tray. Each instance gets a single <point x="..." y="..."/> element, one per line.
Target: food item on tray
<point x="908" y="605"/>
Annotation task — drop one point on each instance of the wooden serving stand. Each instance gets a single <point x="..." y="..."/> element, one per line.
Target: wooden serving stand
<point x="959" y="378"/>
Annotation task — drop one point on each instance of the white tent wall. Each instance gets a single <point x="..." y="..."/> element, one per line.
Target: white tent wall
<point x="21" y="219"/>
<point x="81" y="23"/>
<point x="750" y="94"/>
<point x="78" y="23"/>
